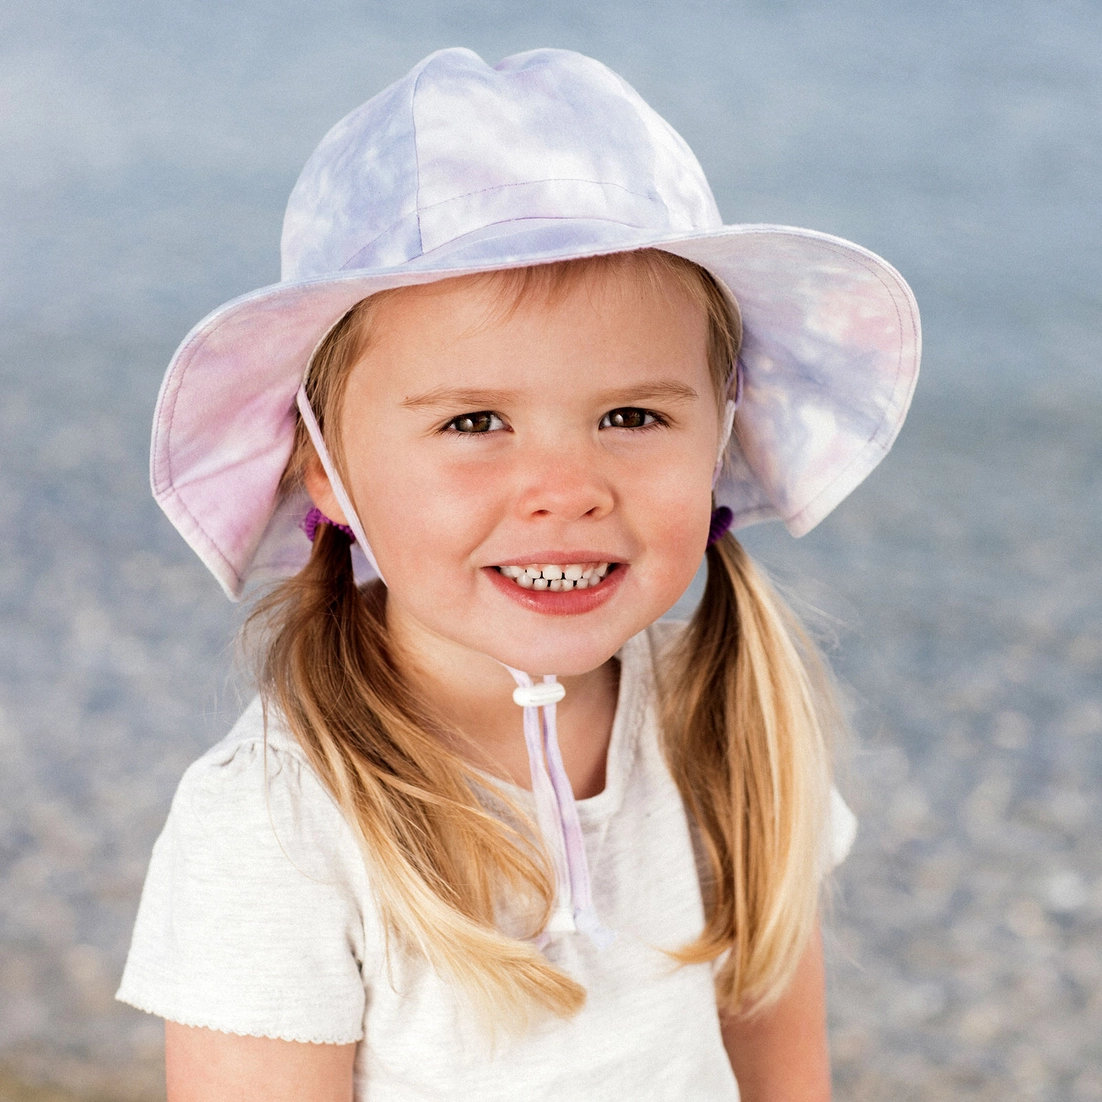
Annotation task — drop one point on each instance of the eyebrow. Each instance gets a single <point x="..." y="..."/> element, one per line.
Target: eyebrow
<point x="447" y="397"/>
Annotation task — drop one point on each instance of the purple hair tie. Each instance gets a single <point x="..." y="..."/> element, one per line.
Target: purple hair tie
<point x="315" y="517"/>
<point x="721" y="524"/>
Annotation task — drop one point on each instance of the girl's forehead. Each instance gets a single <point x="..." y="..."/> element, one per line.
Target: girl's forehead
<point x="614" y="314"/>
<point x="602" y="281"/>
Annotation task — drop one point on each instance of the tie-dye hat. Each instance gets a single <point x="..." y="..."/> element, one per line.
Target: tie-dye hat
<point x="461" y="167"/>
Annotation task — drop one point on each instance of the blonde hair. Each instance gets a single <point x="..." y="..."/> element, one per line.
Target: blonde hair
<point x="744" y="700"/>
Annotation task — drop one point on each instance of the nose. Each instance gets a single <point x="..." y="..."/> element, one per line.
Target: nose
<point x="565" y="483"/>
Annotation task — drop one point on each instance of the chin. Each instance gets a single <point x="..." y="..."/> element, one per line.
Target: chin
<point x="564" y="657"/>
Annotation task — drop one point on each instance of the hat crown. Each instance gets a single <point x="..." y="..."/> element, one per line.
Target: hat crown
<point x="458" y="152"/>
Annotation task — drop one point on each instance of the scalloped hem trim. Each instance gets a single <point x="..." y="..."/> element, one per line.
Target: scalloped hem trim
<point x="209" y="1023"/>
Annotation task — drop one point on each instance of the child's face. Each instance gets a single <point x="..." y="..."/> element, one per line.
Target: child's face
<point x="578" y="432"/>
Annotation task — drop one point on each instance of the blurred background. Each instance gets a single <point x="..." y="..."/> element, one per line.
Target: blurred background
<point x="146" y="152"/>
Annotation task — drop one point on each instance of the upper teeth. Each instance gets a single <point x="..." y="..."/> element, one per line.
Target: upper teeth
<point x="550" y="576"/>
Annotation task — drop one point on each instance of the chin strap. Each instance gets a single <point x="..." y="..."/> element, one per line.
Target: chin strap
<point x="556" y="811"/>
<point x="339" y="492"/>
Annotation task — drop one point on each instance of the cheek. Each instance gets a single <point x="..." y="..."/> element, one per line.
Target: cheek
<point x="416" y="511"/>
<point x="676" y="508"/>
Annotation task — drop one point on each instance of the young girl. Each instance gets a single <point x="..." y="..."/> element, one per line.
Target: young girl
<point x="492" y="830"/>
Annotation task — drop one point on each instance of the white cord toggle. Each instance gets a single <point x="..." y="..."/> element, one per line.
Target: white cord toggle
<point x="539" y="695"/>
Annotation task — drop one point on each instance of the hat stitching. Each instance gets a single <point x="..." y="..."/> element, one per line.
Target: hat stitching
<point x="348" y="264"/>
<point x="536" y="261"/>
<point x="161" y="427"/>
<point x="546" y="180"/>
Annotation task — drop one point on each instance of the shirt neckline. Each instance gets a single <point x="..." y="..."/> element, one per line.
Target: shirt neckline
<point x="631" y="698"/>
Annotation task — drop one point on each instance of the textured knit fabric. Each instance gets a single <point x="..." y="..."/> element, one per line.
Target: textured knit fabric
<point x="257" y="918"/>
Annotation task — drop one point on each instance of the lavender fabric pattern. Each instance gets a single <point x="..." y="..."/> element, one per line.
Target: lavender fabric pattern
<point x="462" y="166"/>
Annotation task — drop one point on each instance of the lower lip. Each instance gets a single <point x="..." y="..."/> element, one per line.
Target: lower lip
<point x="572" y="602"/>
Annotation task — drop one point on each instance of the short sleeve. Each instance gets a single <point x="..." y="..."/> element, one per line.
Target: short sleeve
<point x="252" y="917"/>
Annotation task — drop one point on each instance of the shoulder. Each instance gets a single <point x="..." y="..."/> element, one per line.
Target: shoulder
<point x="256" y="888"/>
<point x="257" y="730"/>
<point x="253" y="794"/>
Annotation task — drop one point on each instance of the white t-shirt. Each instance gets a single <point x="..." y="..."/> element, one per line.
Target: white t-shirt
<point x="257" y="918"/>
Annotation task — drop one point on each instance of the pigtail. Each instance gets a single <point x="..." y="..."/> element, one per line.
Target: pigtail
<point x="747" y="709"/>
<point x="440" y="859"/>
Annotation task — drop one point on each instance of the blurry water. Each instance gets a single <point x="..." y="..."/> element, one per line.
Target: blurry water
<point x="145" y="155"/>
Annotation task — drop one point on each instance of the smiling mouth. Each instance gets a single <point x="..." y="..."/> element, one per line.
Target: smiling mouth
<point x="558" y="579"/>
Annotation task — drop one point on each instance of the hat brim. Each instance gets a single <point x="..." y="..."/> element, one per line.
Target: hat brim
<point x="830" y="355"/>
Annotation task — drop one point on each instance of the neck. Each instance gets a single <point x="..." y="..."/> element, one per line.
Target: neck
<point x="474" y="693"/>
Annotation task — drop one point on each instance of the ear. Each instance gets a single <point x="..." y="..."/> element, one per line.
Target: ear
<point x="320" y="489"/>
<point x="724" y="439"/>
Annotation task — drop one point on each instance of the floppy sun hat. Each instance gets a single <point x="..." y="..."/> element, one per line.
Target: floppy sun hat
<point x="462" y="167"/>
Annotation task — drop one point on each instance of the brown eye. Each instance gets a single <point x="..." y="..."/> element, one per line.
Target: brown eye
<point x="628" y="417"/>
<point x="473" y="423"/>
